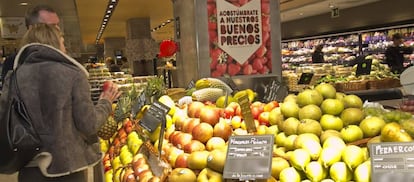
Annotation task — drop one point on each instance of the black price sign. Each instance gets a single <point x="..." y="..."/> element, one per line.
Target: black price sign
<point x="247" y="113"/>
<point x="392" y="161"/>
<point x="249" y="157"/>
<point x="138" y="104"/>
<point x="190" y="85"/>
<point x="364" y="67"/>
<point x="305" y="78"/>
<point x="154" y="116"/>
<point x="230" y="83"/>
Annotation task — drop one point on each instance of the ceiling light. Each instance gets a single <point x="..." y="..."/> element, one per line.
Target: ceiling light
<point x="106" y="16"/>
<point x="23" y="4"/>
<point x="113" y="1"/>
<point x="111" y="6"/>
<point x="105" y="19"/>
<point x="300" y="14"/>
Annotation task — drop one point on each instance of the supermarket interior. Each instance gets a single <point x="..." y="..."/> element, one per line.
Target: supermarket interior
<point x="241" y="90"/>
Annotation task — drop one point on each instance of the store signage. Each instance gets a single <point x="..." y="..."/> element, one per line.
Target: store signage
<point x="305" y="78"/>
<point x="12" y="27"/>
<point x="335" y="12"/>
<point x="247" y="113"/>
<point x="392" y="161"/>
<point x="239" y="29"/>
<point x="364" y="67"/>
<point x="249" y="157"/>
<point x="239" y="37"/>
<point x="154" y="116"/>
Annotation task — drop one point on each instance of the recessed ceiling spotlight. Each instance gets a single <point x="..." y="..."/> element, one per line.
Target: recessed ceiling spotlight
<point x="300" y="14"/>
<point x="23" y="4"/>
<point x="113" y="1"/>
<point x="111" y="6"/>
<point x="331" y="5"/>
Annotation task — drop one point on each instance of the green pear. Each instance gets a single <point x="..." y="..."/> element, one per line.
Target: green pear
<point x="365" y="150"/>
<point x="313" y="147"/>
<point x="289" y="175"/>
<point x="339" y="172"/>
<point x="353" y="156"/>
<point x="300" y="158"/>
<point x="329" y="133"/>
<point x="363" y="172"/>
<point x="329" y="156"/>
<point x="334" y="141"/>
<point x="290" y="126"/>
<point x="280" y="139"/>
<point x="290" y="141"/>
<point x="304" y="137"/>
<point x="315" y="171"/>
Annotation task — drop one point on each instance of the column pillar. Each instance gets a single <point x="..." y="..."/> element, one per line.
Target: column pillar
<point x="140" y="48"/>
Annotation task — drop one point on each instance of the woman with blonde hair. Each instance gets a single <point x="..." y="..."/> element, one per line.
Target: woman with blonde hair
<point x="56" y="92"/>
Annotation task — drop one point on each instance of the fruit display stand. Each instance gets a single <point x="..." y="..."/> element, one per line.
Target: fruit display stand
<point x="319" y="134"/>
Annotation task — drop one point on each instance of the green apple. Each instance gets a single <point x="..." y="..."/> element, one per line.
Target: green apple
<point x="208" y="175"/>
<point x="216" y="160"/>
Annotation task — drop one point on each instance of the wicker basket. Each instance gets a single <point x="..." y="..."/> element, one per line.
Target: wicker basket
<point x="384" y="83"/>
<point x="351" y="86"/>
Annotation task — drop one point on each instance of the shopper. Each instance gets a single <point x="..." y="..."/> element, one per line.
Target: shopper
<point x="56" y="92"/>
<point x="317" y="56"/>
<point x="38" y="14"/>
<point x="394" y="55"/>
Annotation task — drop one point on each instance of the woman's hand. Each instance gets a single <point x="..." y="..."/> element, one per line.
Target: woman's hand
<point x="110" y="92"/>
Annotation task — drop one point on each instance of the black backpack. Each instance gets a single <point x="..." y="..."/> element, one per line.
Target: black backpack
<point x="19" y="142"/>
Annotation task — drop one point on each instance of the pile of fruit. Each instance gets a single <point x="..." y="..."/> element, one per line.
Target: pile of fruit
<point x="320" y="134"/>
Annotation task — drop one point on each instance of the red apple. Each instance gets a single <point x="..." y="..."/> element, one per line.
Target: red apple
<point x="222" y="130"/>
<point x="181" y="160"/>
<point x="172" y="136"/>
<point x="194" y="145"/>
<point x="140" y="169"/>
<point x="271" y="105"/>
<point x="264" y="118"/>
<point x="209" y="115"/>
<point x="144" y="176"/>
<point x="128" y="175"/>
<point x="228" y="112"/>
<point x="106" y="85"/>
<point x="256" y="110"/>
<point x="183" y="139"/>
<point x="180" y="124"/>
<point x="203" y="132"/>
<point x="188" y="128"/>
<point x="194" y="109"/>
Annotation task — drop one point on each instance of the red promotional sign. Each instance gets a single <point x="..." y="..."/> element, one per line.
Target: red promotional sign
<point x="239" y="37"/>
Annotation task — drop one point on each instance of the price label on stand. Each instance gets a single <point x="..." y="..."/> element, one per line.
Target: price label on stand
<point x="230" y="83"/>
<point x="154" y="116"/>
<point x="364" y="67"/>
<point x="392" y="161"/>
<point x="190" y="85"/>
<point x="138" y="104"/>
<point x="305" y="78"/>
<point x="249" y="157"/>
<point x="247" y="113"/>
